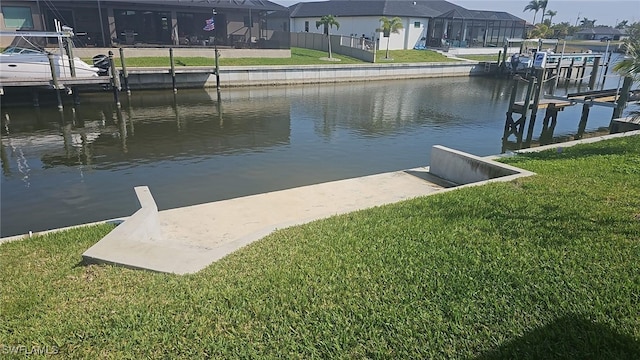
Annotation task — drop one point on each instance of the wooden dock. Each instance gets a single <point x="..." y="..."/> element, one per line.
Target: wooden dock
<point x="522" y="112"/>
<point x="63" y="82"/>
<point x="36" y="86"/>
<point x="518" y="106"/>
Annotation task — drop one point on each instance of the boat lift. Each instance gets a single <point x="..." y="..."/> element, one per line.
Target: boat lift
<point x="535" y="99"/>
<point x="63" y="34"/>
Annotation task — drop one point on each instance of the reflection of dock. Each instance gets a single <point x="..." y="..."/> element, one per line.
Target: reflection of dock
<point x="101" y="134"/>
<point x="35" y="85"/>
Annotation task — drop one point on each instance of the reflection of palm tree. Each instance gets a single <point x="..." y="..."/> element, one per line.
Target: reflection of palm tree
<point x="389" y="26"/>
<point x="534" y="6"/>
<point x="328" y="21"/>
<point x="551" y="14"/>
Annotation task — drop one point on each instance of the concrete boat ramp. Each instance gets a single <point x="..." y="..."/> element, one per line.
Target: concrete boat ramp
<point x="186" y="240"/>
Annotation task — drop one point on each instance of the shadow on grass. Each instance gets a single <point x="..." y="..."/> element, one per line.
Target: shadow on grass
<point x="569" y="337"/>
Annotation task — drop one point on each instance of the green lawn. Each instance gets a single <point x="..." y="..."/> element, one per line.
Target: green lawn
<point x="493" y="57"/>
<point x="541" y="267"/>
<point x="299" y="56"/>
<point x="411" y="56"/>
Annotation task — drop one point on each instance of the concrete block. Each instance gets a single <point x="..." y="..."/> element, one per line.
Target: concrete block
<point x="461" y="168"/>
<point x="625" y="124"/>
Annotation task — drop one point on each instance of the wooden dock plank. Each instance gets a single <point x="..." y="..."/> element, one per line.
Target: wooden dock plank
<point x="544" y="103"/>
<point x="47" y="82"/>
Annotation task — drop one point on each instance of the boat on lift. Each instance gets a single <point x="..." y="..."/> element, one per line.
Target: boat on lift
<point x="24" y="63"/>
<point x="32" y="62"/>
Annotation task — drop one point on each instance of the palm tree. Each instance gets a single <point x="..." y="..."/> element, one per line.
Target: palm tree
<point x="389" y="26"/>
<point x="534" y="6"/>
<point x="328" y="21"/>
<point x="543" y="7"/>
<point x="587" y="23"/>
<point x="541" y="31"/>
<point x="622" y="24"/>
<point x="551" y="14"/>
<point x="630" y="65"/>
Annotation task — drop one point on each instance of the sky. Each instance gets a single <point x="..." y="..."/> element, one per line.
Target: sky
<point x="605" y="12"/>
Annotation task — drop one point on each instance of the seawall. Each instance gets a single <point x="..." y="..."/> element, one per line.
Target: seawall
<point x="233" y="76"/>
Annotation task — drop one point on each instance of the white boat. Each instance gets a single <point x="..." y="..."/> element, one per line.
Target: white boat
<point x="23" y="63"/>
<point x="32" y="62"/>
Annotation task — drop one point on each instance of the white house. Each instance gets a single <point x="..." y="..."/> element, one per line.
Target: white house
<point x="434" y="23"/>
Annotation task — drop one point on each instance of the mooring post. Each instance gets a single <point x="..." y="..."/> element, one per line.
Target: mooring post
<point x="525" y="108"/>
<point x="581" y="71"/>
<point x="217" y="54"/>
<point x="536" y="101"/>
<point x="569" y="72"/>
<point x="499" y="67"/>
<point x="594" y="72"/>
<point x="52" y="66"/>
<point x="217" y="70"/>
<point x="173" y="71"/>
<point x="114" y="79"/>
<point x="509" y="124"/>
<point x="72" y="65"/>
<point x="606" y="68"/>
<point x="622" y="99"/>
<point x="125" y="73"/>
<point x="546" y="135"/>
<point x="583" y="119"/>
<point x="557" y="78"/>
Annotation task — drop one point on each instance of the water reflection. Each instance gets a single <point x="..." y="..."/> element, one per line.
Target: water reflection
<point x="80" y="165"/>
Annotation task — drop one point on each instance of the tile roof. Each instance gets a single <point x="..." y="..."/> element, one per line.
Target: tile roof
<point x="602" y="30"/>
<point x="372" y="8"/>
<point x="390" y="8"/>
<point x="206" y="4"/>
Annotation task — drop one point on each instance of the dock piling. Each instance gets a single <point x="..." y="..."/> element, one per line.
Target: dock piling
<point x="539" y="80"/>
<point x="621" y="102"/>
<point x="114" y="80"/>
<point x="217" y="55"/>
<point x="52" y="66"/>
<point x="72" y="65"/>
<point x="594" y="73"/>
<point x="125" y="73"/>
<point x="173" y="71"/>
<point x="586" y="107"/>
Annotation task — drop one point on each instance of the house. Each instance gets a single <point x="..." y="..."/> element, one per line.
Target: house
<point x="250" y="23"/>
<point x="600" y="33"/>
<point x="434" y="23"/>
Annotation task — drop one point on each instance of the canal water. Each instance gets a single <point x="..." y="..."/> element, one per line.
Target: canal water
<point x="80" y="165"/>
